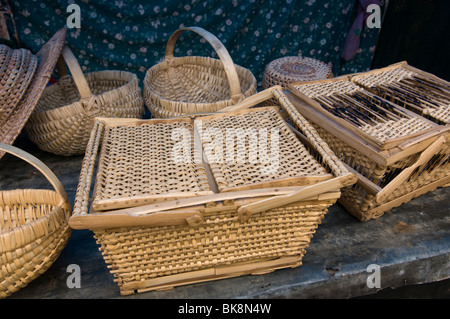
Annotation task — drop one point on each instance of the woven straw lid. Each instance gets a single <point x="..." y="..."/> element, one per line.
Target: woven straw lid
<point x="17" y="68"/>
<point x="292" y="69"/>
<point x="47" y="58"/>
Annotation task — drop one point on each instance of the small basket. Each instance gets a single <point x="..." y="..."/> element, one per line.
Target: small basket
<point x="294" y="69"/>
<point x="414" y="89"/>
<point x="34" y="228"/>
<point x="396" y="154"/>
<point x="191" y="217"/>
<point x="64" y="116"/>
<point x="194" y="84"/>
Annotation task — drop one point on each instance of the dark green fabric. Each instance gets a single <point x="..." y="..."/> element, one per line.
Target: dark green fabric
<point x="132" y="35"/>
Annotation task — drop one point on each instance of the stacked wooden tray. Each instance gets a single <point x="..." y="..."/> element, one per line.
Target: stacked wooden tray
<point x="396" y="153"/>
<point x="414" y="89"/>
<point x="183" y="200"/>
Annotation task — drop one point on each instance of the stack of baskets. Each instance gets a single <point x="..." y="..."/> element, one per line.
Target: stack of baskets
<point x="396" y="153"/>
<point x="191" y="217"/>
<point x="64" y="116"/>
<point x="194" y="84"/>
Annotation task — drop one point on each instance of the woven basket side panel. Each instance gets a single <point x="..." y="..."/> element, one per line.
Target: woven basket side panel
<point x="34" y="230"/>
<point x="35" y="260"/>
<point x="144" y="253"/>
<point x="438" y="167"/>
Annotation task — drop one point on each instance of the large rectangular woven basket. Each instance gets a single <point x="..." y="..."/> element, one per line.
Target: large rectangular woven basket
<point x="168" y="211"/>
<point x="395" y="153"/>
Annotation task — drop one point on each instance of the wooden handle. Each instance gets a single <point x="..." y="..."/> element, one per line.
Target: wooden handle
<point x="406" y="173"/>
<point x="75" y="69"/>
<point x="40" y="166"/>
<point x="115" y="220"/>
<point x="245" y="212"/>
<point x="228" y="64"/>
<point x="251" y="101"/>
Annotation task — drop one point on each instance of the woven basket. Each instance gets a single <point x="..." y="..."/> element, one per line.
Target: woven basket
<point x="194" y="84"/>
<point x="17" y="68"/>
<point x="34" y="228"/>
<point x="18" y="116"/>
<point x="396" y="154"/>
<point x="187" y="220"/>
<point x="63" y="118"/>
<point x="294" y="69"/>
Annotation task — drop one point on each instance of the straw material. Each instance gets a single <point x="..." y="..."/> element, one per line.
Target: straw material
<point x="157" y="238"/>
<point x="294" y="69"/>
<point x="414" y="89"/>
<point x="193" y="84"/>
<point x="63" y="118"/>
<point x="17" y="68"/>
<point x="34" y="228"/>
<point x="47" y="57"/>
<point x="396" y="154"/>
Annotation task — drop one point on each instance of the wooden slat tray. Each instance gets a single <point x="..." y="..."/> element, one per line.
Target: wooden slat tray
<point x="412" y="88"/>
<point x="381" y="123"/>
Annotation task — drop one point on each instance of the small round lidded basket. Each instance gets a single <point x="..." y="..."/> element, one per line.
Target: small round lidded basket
<point x="294" y="69"/>
<point x="196" y="84"/>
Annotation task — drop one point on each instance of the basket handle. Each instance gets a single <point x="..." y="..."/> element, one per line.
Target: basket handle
<point x="228" y="64"/>
<point x="40" y="166"/>
<point x="77" y="74"/>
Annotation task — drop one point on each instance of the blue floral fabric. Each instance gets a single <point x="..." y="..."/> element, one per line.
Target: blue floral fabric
<point x="132" y="35"/>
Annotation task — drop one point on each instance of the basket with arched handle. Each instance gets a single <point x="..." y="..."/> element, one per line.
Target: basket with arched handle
<point x="34" y="227"/>
<point x="195" y="84"/>
<point x="64" y="116"/>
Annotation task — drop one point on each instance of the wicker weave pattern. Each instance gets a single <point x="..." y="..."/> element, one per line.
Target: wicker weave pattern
<point x="413" y="89"/>
<point x="47" y="57"/>
<point x="172" y="250"/>
<point x="61" y="123"/>
<point x="363" y="205"/>
<point x="145" y="164"/>
<point x="233" y="173"/>
<point x="63" y="119"/>
<point x="17" y="68"/>
<point x="369" y="113"/>
<point x="286" y="70"/>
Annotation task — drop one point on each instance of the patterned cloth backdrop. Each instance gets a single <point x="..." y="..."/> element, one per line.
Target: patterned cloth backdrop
<point x="132" y="35"/>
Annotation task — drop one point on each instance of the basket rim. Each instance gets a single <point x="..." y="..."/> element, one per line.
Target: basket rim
<point x="58" y="213"/>
<point x="164" y="65"/>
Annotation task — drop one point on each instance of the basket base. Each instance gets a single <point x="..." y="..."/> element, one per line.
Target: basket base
<point x="379" y="210"/>
<point x="169" y="282"/>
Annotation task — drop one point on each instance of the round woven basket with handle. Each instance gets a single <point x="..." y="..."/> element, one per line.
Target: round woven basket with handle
<point x="63" y="118"/>
<point x="34" y="227"/>
<point x="195" y="84"/>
